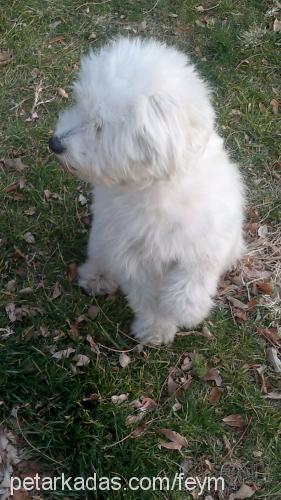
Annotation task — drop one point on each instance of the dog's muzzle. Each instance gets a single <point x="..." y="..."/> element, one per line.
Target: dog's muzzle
<point x="56" y="145"/>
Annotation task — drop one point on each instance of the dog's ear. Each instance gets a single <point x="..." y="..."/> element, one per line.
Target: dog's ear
<point x="171" y="132"/>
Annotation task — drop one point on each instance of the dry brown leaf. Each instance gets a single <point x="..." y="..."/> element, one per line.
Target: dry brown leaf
<point x="133" y="419"/>
<point x="119" y="399"/>
<point x="274" y="360"/>
<point x="142" y="26"/>
<point x="56" y="291"/>
<point x="234" y="420"/>
<point x="277" y="25"/>
<point x="172" y="386"/>
<point x="238" y="313"/>
<point x="26" y="291"/>
<point x="12" y="187"/>
<point x="244" y="491"/>
<point x="262" y="107"/>
<point x="273" y="395"/>
<point x="215" y="394"/>
<point x="143" y="404"/>
<point x="207" y="333"/>
<point x="237" y="303"/>
<point x="176" y="406"/>
<point x="81" y="360"/>
<point x="274" y="106"/>
<point x="6" y="57"/>
<point x="29" y="238"/>
<point x="176" y="440"/>
<point x="30" y="211"/>
<point x="16" y="313"/>
<point x="65" y="353"/>
<point x="213" y="375"/>
<point x="93" y="311"/>
<point x="187" y="364"/>
<point x="62" y="93"/>
<point x="82" y="200"/>
<point x="271" y="334"/>
<point x="72" y="272"/>
<point x="139" y="430"/>
<point x="266" y="287"/>
<point x="261" y="369"/>
<point x="124" y="360"/>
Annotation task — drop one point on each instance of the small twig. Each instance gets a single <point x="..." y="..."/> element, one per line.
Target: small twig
<point x="211" y="8"/>
<point x="38" y="90"/>
<point x="92" y="3"/>
<point x="152" y="8"/>
<point x="230" y="452"/>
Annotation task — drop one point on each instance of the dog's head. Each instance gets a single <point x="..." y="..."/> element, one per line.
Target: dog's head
<point x="141" y="113"/>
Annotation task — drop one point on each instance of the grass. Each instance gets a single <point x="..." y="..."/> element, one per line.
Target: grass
<point x="59" y="425"/>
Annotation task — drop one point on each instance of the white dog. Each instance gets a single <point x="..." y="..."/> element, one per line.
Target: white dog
<point x="168" y="202"/>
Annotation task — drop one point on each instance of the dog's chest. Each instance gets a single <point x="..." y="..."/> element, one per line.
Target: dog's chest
<point x="134" y="233"/>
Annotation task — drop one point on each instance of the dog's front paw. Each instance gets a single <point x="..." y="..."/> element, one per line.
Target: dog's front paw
<point x="153" y="332"/>
<point x="95" y="284"/>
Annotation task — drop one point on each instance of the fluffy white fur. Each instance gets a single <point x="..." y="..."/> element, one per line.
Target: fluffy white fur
<point x="168" y="202"/>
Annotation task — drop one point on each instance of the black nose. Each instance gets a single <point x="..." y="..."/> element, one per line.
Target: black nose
<point x="55" y="145"/>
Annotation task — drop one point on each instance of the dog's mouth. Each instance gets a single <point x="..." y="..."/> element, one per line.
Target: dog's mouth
<point x="66" y="167"/>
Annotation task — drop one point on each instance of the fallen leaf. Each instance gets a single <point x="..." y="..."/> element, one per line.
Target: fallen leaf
<point x="262" y="107"/>
<point x="62" y="93"/>
<point x="92" y="36"/>
<point x="214" y="375"/>
<point x="270" y="334"/>
<point x="29" y="238"/>
<point x="143" y="404"/>
<point x="207" y="333"/>
<point x="139" y="430"/>
<point x="237" y="303"/>
<point x="65" y="353"/>
<point x="11" y="311"/>
<point x="72" y="272"/>
<point x="119" y="399"/>
<point x="26" y="291"/>
<point x="172" y="386"/>
<point x="81" y="360"/>
<point x="187" y="364"/>
<point x="273" y="395"/>
<point x="11" y="286"/>
<point x="93" y="311"/>
<point x="277" y="25"/>
<point x="263" y="231"/>
<point x="176" y="407"/>
<point x="265" y="286"/>
<point x="124" y="360"/>
<point x="6" y="56"/>
<point x="142" y="26"/>
<point x="244" y="491"/>
<point x="14" y="164"/>
<point x="82" y="200"/>
<point x="51" y="196"/>
<point x="234" y="420"/>
<point x="30" y="211"/>
<point x="176" y="440"/>
<point x="274" y="360"/>
<point x="133" y="419"/>
<point x="56" y="291"/>
<point x="215" y="395"/>
<point x="260" y="371"/>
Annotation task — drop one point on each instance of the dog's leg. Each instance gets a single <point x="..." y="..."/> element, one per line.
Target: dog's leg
<point x="149" y="326"/>
<point x="186" y="295"/>
<point x="92" y="275"/>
